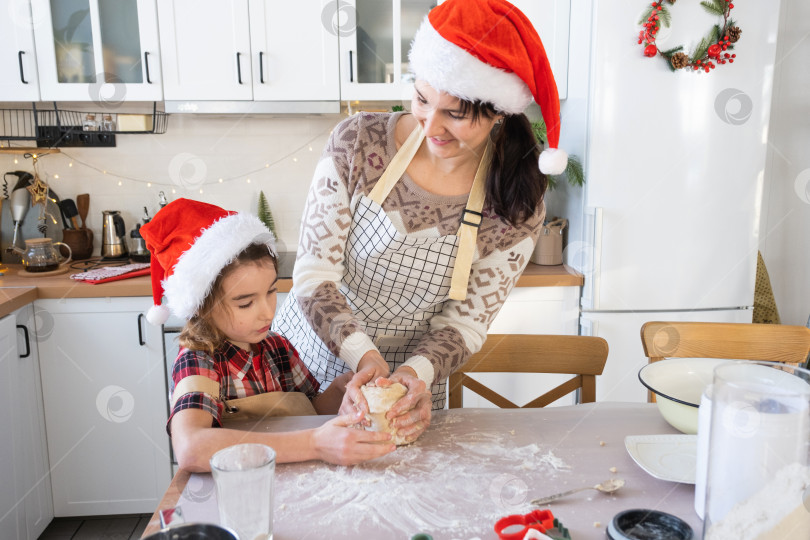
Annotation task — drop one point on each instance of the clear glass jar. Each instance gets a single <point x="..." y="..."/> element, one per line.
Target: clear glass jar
<point x="107" y="123"/>
<point x="90" y="123"/>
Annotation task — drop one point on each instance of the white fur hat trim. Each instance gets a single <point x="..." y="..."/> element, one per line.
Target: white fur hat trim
<point x="198" y="267"/>
<point x="448" y="68"/>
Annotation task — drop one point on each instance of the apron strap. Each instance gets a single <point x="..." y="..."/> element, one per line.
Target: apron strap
<point x="468" y="231"/>
<point x="195" y="383"/>
<point x="470" y="219"/>
<point x="397" y="167"/>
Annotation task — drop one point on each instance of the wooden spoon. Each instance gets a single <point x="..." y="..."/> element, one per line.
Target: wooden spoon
<point x="83" y="204"/>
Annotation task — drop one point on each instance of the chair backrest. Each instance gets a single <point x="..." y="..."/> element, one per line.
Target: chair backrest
<point x="582" y="356"/>
<point x="769" y="342"/>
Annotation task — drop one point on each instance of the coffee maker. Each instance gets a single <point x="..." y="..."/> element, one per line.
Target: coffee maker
<point x="113" y="235"/>
<point x="138" y="251"/>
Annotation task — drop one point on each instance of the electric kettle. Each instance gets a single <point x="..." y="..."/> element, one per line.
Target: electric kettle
<point x="113" y="235"/>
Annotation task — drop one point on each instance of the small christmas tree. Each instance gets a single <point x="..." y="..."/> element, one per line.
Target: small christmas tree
<point x="265" y="215"/>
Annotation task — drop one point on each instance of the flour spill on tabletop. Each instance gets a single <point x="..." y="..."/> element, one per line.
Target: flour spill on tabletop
<point x="459" y="483"/>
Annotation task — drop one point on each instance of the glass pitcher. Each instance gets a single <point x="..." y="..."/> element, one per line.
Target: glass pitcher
<point x="41" y="255"/>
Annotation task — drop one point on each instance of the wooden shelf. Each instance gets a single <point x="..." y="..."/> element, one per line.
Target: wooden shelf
<point x="28" y="150"/>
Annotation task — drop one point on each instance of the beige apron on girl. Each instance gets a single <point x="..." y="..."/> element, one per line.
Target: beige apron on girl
<point x="393" y="282"/>
<point x="254" y="408"/>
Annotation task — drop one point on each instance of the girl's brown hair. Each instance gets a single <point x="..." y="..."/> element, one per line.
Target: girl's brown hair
<point x="200" y="333"/>
<point x="515" y="185"/>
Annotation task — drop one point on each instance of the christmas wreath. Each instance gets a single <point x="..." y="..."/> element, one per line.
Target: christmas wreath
<point x="712" y="49"/>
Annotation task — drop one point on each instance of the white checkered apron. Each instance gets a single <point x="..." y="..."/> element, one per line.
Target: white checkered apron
<point x="394" y="284"/>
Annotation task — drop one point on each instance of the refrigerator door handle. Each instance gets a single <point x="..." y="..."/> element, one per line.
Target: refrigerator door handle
<point x="588" y="327"/>
<point x="592" y="257"/>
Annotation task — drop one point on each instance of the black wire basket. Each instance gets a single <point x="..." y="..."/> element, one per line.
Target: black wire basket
<point x="53" y="128"/>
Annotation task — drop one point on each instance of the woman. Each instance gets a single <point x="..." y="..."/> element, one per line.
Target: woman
<point x="418" y="225"/>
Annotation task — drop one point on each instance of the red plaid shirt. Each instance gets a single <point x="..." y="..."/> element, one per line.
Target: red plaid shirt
<point x="276" y="367"/>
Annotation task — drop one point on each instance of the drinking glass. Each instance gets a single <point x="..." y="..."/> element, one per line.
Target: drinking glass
<point x="759" y="452"/>
<point x="244" y="475"/>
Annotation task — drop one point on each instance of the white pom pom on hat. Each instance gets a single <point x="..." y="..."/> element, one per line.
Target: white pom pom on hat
<point x="488" y="50"/>
<point x="553" y="161"/>
<point x="191" y="242"/>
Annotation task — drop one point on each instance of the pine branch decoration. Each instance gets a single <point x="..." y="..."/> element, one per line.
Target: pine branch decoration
<point x="715" y="7"/>
<point x="265" y="215"/>
<point x="573" y="170"/>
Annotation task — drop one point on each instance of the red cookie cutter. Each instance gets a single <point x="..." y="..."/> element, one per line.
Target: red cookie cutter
<point x="539" y="520"/>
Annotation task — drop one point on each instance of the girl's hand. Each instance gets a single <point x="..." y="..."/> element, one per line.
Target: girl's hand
<point x="336" y="442"/>
<point x="371" y="366"/>
<point x="410" y="416"/>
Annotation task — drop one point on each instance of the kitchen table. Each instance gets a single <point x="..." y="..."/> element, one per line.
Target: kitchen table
<point x="471" y="467"/>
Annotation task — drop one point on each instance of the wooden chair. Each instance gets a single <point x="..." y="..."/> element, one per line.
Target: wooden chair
<point x="767" y="342"/>
<point x="582" y="356"/>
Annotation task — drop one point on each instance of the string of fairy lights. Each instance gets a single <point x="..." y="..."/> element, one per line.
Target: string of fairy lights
<point x="174" y="185"/>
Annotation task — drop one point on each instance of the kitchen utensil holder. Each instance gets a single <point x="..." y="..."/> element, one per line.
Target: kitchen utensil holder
<point x="54" y="128"/>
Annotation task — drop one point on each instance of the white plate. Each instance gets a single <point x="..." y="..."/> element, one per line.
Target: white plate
<point x="666" y="457"/>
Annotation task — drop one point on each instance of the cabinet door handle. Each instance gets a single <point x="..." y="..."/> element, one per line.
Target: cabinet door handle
<point x="261" y="67"/>
<point x="238" y="68"/>
<point x="141" y="342"/>
<point x="351" y="68"/>
<point x="146" y="63"/>
<point x="22" y="73"/>
<point x="27" y="341"/>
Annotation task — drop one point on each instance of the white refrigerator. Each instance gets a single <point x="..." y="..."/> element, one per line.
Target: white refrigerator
<point x="674" y="165"/>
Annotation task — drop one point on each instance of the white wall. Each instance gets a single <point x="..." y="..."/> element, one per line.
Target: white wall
<point x="785" y="229"/>
<point x="194" y="153"/>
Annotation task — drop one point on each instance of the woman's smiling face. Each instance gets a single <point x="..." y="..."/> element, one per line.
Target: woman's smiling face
<point x="448" y="132"/>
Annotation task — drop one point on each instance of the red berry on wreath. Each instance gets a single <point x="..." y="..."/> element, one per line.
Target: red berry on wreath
<point x="730" y="5"/>
<point x="731" y="60"/>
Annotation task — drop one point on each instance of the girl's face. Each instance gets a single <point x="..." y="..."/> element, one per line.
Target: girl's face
<point x="248" y="303"/>
<point x="448" y="133"/>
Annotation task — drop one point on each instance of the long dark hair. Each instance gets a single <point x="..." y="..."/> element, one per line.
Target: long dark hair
<point x="515" y="185"/>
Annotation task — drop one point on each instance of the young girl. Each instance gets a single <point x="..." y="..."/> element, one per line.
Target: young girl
<point x="217" y="270"/>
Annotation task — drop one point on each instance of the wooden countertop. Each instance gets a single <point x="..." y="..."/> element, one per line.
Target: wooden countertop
<point x="18" y="290"/>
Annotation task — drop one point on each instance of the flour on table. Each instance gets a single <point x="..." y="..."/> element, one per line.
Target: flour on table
<point x="458" y="478"/>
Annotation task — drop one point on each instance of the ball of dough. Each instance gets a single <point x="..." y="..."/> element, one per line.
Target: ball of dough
<point x="380" y="400"/>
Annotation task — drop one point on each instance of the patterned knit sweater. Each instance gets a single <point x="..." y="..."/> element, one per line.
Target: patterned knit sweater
<point x="358" y="151"/>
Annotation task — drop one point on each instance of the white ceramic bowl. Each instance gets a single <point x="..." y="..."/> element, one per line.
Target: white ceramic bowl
<point x="678" y="384"/>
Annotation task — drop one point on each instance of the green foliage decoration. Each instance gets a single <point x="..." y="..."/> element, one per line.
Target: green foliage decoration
<point x="573" y="170"/>
<point x="265" y="215"/>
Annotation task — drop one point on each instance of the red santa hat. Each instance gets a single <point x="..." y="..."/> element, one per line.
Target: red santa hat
<point x="190" y="243"/>
<point x="487" y="50"/>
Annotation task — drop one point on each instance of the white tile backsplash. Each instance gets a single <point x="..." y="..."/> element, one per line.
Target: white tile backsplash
<point x="194" y="153"/>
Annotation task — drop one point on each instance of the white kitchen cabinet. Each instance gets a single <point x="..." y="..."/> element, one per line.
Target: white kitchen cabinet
<point x="26" y="507"/>
<point x="105" y="405"/>
<point x="96" y="50"/>
<point x="18" y="61"/>
<point x="261" y="50"/>
<point x="375" y="38"/>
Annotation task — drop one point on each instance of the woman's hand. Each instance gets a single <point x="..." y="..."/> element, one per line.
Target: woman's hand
<point x="336" y="442"/>
<point x="410" y="416"/>
<point x="370" y="367"/>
